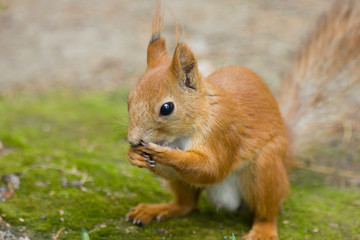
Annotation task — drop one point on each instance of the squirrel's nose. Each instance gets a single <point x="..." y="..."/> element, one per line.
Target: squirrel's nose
<point x="133" y="140"/>
<point x="134" y="144"/>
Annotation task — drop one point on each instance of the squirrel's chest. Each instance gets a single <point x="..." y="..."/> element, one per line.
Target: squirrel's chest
<point x="167" y="172"/>
<point x="226" y="194"/>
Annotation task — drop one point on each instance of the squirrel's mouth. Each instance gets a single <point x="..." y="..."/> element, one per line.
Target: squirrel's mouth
<point x="161" y="143"/>
<point x="143" y="143"/>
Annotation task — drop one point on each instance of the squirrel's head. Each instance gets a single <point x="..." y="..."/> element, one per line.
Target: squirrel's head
<point x="164" y="104"/>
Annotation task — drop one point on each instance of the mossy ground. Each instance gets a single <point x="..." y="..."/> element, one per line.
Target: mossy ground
<point x="51" y="136"/>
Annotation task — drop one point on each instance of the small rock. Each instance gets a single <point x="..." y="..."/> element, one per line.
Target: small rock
<point x="9" y="236"/>
<point x="12" y="179"/>
<point x="12" y="182"/>
<point x="24" y="238"/>
<point x="76" y="184"/>
<point x="160" y="230"/>
<point x="64" y="182"/>
<point x="40" y="184"/>
<point x="21" y="220"/>
<point x="315" y="230"/>
<point x="286" y="222"/>
<point x="61" y="212"/>
<point x="131" y="229"/>
<point x="335" y="225"/>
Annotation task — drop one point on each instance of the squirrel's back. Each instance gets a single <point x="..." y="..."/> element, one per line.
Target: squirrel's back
<point x="245" y="106"/>
<point x="252" y="96"/>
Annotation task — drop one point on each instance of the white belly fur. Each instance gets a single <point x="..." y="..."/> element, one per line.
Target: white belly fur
<point x="169" y="173"/>
<point x="226" y="194"/>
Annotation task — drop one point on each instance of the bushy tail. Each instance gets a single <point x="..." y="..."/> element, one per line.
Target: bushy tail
<point x="320" y="98"/>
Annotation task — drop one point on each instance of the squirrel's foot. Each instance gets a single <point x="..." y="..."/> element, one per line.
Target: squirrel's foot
<point x="259" y="237"/>
<point x="262" y="231"/>
<point x="142" y="214"/>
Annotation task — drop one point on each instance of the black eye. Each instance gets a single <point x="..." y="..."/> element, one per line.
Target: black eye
<point x="167" y="108"/>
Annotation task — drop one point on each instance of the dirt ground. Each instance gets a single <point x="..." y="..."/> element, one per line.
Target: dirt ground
<point x="102" y="44"/>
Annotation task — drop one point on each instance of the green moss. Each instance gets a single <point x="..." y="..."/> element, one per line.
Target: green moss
<point x="82" y="137"/>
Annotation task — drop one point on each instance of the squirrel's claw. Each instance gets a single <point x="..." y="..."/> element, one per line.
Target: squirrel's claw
<point x="140" y="159"/>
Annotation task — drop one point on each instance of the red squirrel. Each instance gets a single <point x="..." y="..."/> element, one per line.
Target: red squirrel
<point x="223" y="134"/>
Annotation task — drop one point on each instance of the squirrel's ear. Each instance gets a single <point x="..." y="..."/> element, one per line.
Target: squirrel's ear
<point x="156" y="51"/>
<point x="184" y="66"/>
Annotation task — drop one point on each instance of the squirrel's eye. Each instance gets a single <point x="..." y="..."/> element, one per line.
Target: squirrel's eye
<point x="167" y="108"/>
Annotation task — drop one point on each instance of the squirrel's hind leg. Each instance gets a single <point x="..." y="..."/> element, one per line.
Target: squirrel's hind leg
<point x="264" y="186"/>
<point x="185" y="200"/>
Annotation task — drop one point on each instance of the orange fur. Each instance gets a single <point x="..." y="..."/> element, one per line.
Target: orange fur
<point x="224" y="127"/>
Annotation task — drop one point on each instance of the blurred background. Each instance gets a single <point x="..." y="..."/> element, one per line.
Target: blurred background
<point x="97" y="44"/>
<point x="66" y="67"/>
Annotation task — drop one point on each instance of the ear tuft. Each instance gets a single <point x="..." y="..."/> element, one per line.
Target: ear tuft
<point x="184" y="66"/>
<point x="157" y="21"/>
<point x="154" y="37"/>
<point x="156" y="52"/>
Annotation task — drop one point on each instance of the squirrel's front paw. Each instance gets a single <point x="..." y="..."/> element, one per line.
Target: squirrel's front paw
<point x="153" y="152"/>
<point x="140" y="159"/>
